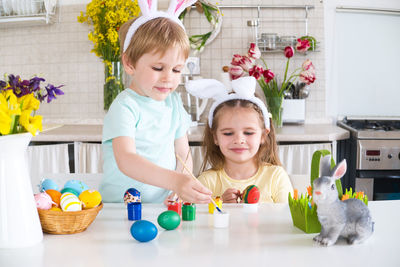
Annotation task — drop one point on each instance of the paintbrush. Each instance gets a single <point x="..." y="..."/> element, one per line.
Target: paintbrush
<point x="194" y="177"/>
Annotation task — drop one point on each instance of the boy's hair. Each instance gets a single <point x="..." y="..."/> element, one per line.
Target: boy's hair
<point x="158" y="35"/>
<point x="267" y="153"/>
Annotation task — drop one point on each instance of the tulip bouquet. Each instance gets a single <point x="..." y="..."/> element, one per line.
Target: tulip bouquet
<point x="19" y="100"/>
<point x="273" y="89"/>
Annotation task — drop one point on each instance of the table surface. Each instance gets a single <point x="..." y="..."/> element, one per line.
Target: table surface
<point x="264" y="238"/>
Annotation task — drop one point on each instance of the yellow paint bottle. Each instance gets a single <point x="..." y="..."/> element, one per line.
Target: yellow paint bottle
<point x="211" y="207"/>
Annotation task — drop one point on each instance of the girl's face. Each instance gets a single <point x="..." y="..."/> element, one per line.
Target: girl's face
<point x="156" y="76"/>
<point x="239" y="134"/>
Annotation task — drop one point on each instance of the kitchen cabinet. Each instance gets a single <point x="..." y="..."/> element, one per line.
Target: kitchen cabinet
<point x="45" y="159"/>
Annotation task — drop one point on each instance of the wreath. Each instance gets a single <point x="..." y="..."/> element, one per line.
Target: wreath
<point x="213" y="16"/>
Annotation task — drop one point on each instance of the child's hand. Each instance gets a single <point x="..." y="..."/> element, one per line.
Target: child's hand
<point x="231" y="195"/>
<point x="192" y="190"/>
<point x="171" y="197"/>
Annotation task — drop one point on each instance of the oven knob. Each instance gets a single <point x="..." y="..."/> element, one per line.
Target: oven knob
<point x="390" y="156"/>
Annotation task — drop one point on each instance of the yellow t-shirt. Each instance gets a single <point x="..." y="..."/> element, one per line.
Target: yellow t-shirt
<point x="272" y="181"/>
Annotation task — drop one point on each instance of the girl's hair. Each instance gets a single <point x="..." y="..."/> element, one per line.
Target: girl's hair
<point x="267" y="153"/>
<point x="159" y="35"/>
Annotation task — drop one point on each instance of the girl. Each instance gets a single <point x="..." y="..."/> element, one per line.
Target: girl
<point x="240" y="144"/>
<point x="146" y="124"/>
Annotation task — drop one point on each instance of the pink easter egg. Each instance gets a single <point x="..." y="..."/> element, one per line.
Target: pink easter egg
<point x="43" y="201"/>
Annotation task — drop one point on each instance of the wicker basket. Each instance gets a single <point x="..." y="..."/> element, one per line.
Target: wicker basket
<point x="71" y="222"/>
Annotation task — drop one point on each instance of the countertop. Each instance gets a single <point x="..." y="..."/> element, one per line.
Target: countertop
<point x="264" y="238"/>
<point x="288" y="133"/>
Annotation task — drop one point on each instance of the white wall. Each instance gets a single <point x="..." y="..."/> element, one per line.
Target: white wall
<point x="335" y="105"/>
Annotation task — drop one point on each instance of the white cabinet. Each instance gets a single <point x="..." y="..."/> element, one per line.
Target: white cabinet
<point x="47" y="159"/>
<point x="88" y="157"/>
<point x="296" y="159"/>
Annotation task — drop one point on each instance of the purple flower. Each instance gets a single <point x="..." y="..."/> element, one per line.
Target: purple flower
<point x="52" y="91"/>
<point x="34" y="83"/>
<point x="3" y="84"/>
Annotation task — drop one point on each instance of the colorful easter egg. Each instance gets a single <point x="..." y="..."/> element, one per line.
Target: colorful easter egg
<point x="70" y="202"/>
<point x="169" y="220"/>
<point x="90" y="198"/>
<point x="55" y="196"/>
<point x="47" y="184"/>
<point x="251" y="194"/>
<point x="143" y="231"/>
<point x="132" y="195"/>
<point x="77" y="185"/>
<point x="70" y="190"/>
<point x="43" y="201"/>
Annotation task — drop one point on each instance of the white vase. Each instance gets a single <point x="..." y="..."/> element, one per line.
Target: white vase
<point x="19" y="219"/>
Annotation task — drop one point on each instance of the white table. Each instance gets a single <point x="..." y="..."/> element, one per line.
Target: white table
<point x="265" y="238"/>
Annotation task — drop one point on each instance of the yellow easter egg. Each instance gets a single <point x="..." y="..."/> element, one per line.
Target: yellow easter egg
<point x="70" y="202"/>
<point x="90" y="198"/>
<point x="56" y="208"/>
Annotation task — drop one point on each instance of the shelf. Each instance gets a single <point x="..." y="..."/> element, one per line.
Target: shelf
<point x="17" y="15"/>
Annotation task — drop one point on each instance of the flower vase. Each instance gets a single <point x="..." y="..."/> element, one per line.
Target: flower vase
<point x="275" y="108"/>
<point x="19" y="220"/>
<point x="113" y="82"/>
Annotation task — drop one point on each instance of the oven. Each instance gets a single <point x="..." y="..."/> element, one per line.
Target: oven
<point x="373" y="156"/>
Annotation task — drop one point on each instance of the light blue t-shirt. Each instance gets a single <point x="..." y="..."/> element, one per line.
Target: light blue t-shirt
<point x="154" y="125"/>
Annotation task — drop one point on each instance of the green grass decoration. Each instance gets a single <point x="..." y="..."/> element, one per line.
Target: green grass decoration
<point x="304" y="215"/>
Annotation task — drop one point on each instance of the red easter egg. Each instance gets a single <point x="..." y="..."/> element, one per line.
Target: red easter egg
<point x="251" y="194"/>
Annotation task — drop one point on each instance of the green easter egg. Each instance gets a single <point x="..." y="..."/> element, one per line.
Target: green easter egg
<point x="70" y="190"/>
<point x="169" y="220"/>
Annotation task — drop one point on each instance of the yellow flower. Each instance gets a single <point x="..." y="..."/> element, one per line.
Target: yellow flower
<point x="5" y="119"/>
<point x="106" y="17"/>
<point x="31" y="124"/>
<point x="29" y="102"/>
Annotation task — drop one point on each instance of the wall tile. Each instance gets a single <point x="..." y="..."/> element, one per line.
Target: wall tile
<point x="60" y="53"/>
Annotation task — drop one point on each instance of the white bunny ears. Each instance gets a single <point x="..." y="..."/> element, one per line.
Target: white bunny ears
<point x="149" y="12"/>
<point x="243" y="88"/>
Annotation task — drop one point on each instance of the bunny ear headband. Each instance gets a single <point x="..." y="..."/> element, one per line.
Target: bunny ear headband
<point x="149" y="12"/>
<point x="243" y="88"/>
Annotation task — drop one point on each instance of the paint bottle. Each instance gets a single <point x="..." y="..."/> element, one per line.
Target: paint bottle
<point x="134" y="211"/>
<point x="188" y="211"/>
<point x="211" y="207"/>
<point x="175" y="206"/>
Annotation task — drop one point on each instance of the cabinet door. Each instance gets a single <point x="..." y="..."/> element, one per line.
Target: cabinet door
<point x="88" y="157"/>
<point x="45" y="159"/>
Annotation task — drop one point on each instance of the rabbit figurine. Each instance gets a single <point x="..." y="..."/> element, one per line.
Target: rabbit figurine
<point x="349" y="219"/>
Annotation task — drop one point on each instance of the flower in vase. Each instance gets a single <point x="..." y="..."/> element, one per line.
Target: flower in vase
<point x="19" y="100"/>
<point x="266" y="78"/>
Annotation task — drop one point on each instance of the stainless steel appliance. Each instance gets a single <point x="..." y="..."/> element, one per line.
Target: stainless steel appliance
<point x="373" y="155"/>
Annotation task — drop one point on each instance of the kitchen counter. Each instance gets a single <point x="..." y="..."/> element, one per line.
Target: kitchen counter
<point x="288" y="133"/>
<point x="264" y="238"/>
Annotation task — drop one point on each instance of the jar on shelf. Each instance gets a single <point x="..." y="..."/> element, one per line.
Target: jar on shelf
<point x="287" y="41"/>
<point x="269" y="40"/>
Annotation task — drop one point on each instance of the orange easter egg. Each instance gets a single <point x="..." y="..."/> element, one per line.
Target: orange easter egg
<point x="55" y="195"/>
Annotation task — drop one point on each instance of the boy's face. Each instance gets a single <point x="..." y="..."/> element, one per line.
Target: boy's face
<point x="157" y="76"/>
<point x="239" y="134"/>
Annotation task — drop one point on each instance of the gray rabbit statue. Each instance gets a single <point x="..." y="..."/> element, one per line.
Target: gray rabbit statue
<point x="350" y="219"/>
